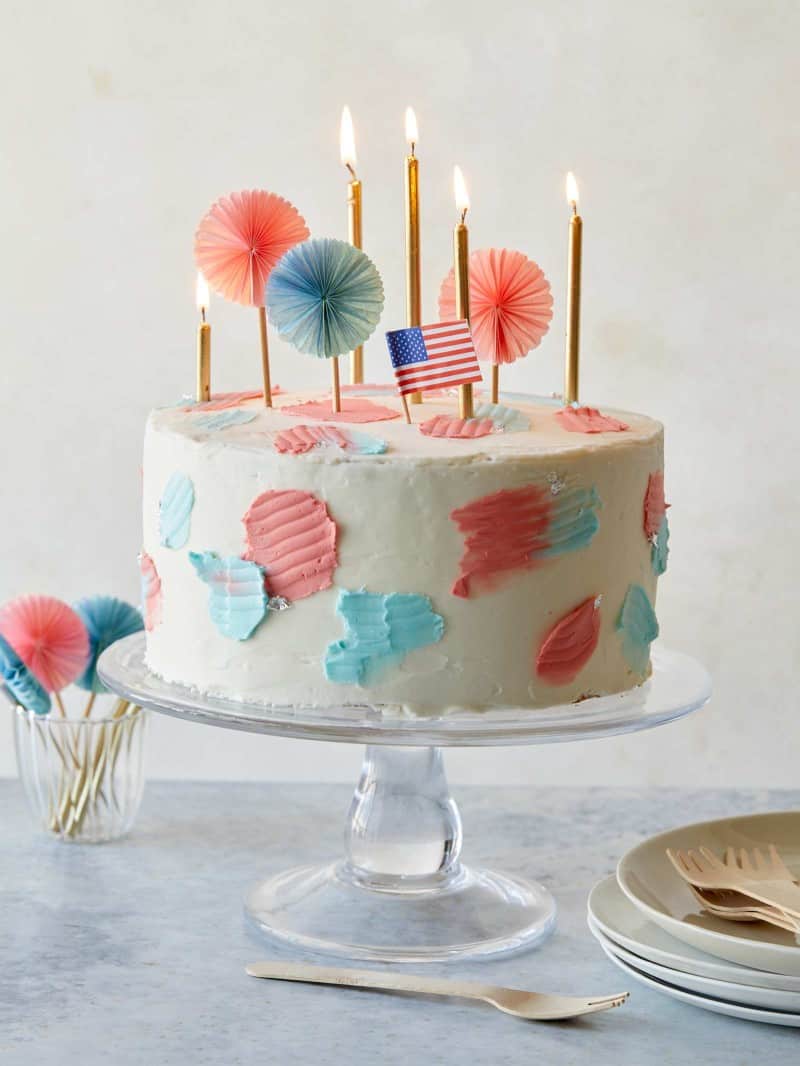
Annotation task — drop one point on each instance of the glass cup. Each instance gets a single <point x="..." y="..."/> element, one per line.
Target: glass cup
<point x="83" y="777"/>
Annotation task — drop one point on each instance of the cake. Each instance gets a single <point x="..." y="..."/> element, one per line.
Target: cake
<point x="295" y="558"/>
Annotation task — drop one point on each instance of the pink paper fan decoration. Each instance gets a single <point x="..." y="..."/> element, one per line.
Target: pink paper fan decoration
<point x="241" y="239"/>
<point x="291" y="535"/>
<point x="450" y="426"/>
<point x="48" y="636"/>
<point x="570" y="644"/>
<point x="510" y="303"/>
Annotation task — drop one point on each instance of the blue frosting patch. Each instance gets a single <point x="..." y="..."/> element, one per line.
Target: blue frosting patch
<point x="380" y="631"/>
<point x="20" y="682"/>
<point x="238" y="600"/>
<point x="175" y="511"/>
<point x="223" y="419"/>
<point x="573" y="521"/>
<point x="659" y="552"/>
<point x="506" y="418"/>
<point x="365" y="443"/>
<point x="638" y="626"/>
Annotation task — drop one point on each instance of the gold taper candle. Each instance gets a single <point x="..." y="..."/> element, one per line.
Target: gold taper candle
<point x="203" y="343"/>
<point x="413" y="265"/>
<point x="461" y="271"/>
<point x="573" y="294"/>
<point x="347" y="146"/>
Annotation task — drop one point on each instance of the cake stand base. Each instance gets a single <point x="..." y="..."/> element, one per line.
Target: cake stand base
<point x="401" y="894"/>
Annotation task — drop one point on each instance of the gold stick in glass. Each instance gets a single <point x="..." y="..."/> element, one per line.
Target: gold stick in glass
<point x="461" y="271"/>
<point x="347" y="147"/>
<point x="413" y="265"/>
<point x="262" y="330"/>
<point x="203" y="392"/>
<point x="573" y="294"/>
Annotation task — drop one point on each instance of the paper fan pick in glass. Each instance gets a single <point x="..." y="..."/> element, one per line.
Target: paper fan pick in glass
<point x="238" y="243"/>
<point x="326" y="298"/>
<point x="510" y="306"/>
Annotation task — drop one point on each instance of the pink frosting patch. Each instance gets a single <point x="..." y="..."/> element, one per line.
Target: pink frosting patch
<point x="354" y="409"/>
<point x="293" y="537"/>
<point x="301" y="439"/>
<point x="655" y="506"/>
<point x="221" y="401"/>
<point x="151" y="591"/>
<point x="450" y="426"/>
<point x="502" y="532"/>
<point x="589" y="420"/>
<point x="570" y="644"/>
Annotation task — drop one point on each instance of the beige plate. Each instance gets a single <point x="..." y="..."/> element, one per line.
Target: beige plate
<point x="647" y="878"/>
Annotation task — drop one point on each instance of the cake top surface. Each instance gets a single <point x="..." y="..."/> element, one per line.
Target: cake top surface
<point x="301" y="424"/>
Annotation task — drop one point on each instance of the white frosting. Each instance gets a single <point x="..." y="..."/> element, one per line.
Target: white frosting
<point x="396" y="534"/>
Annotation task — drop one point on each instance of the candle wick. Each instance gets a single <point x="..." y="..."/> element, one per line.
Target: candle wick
<point x="413" y="146"/>
<point x="463" y="216"/>
<point x="352" y="172"/>
<point x="574" y="208"/>
<point x="202" y="314"/>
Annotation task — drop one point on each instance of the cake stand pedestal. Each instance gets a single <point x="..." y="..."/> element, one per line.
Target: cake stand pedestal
<point x="401" y="892"/>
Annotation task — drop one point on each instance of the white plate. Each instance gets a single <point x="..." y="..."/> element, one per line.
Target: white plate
<point x="618" y="920"/>
<point x="747" y="995"/>
<point x="718" y="1006"/>
<point x="647" y="878"/>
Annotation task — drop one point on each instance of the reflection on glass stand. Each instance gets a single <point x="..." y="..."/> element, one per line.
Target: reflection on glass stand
<point x="401" y="892"/>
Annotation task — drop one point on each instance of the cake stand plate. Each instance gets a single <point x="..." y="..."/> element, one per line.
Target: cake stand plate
<point x="401" y="893"/>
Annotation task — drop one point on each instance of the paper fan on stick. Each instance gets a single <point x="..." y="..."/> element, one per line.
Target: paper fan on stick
<point x="326" y="298"/>
<point x="510" y="306"/>
<point x="238" y="243"/>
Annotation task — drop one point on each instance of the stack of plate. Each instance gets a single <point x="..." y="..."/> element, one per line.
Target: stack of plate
<point x="652" y="927"/>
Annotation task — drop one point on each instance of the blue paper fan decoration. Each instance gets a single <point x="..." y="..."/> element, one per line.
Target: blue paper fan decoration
<point x="325" y="297"/>
<point x="107" y="620"/>
<point x="20" y="682"/>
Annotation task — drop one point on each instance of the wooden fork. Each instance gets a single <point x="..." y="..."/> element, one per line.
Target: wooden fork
<point x="765" y="879"/>
<point x="736" y="907"/>
<point x="533" y="1006"/>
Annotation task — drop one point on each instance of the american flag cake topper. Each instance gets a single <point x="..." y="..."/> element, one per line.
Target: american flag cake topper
<point x="439" y="356"/>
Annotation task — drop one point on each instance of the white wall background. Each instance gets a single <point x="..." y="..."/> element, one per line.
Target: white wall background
<point x="121" y="122"/>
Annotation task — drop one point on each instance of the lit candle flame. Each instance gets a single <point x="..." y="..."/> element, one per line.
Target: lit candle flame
<point x="572" y="191"/>
<point x="460" y="189"/>
<point x="347" y="140"/>
<point x="201" y="294"/>
<point x="412" y="132"/>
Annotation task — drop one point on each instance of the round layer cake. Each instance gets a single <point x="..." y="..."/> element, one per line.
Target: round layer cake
<point x="295" y="558"/>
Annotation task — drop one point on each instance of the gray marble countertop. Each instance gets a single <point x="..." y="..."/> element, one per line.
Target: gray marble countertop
<point x="134" y="952"/>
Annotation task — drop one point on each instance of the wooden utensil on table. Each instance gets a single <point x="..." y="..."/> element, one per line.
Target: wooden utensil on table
<point x="762" y="878"/>
<point x="534" y="1006"/>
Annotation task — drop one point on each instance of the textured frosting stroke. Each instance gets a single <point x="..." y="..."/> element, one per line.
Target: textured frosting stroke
<point x="354" y="409"/>
<point x="238" y="600"/>
<point x="655" y="506"/>
<point x="638" y="626"/>
<point x="301" y="439"/>
<point x="222" y="401"/>
<point x="518" y="529"/>
<point x="451" y="426"/>
<point x="175" y="511"/>
<point x="21" y="682"/>
<point x="151" y="592"/>
<point x="589" y="420"/>
<point x="292" y="536"/>
<point x="381" y="629"/>
<point x="224" y="419"/>
<point x="570" y="644"/>
<point x="508" y="419"/>
<point x="659" y="550"/>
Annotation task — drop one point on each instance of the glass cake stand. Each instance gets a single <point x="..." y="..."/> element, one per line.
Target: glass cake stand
<point x="401" y="893"/>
